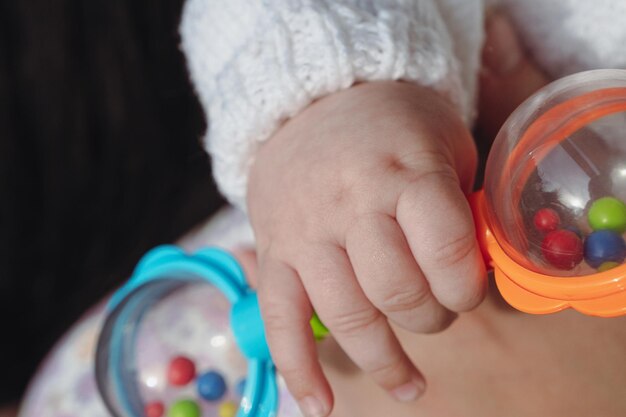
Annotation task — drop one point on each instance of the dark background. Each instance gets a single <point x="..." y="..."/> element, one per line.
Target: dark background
<point x="100" y="159"/>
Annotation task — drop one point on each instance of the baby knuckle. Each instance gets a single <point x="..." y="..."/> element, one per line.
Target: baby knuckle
<point x="437" y="173"/>
<point x="455" y="250"/>
<point x="267" y="248"/>
<point x="275" y="319"/>
<point x="470" y="297"/>
<point x="422" y="183"/>
<point x="429" y="320"/>
<point x="387" y="371"/>
<point x="293" y="373"/>
<point x="401" y="300"/>
<point x="417" y="161"/>
<point x="351" y="323"/>
<point x="362" y="226"/>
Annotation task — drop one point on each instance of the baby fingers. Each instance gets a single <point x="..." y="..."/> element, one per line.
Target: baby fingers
<point x="286" y="314"/>
<point x="390" y="276"/>
<point x="441" y="235"/>
<point x="359" y="328"/>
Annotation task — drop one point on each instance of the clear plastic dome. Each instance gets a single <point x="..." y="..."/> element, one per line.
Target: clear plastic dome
<point x="555" y="181"/>
<point x="179" y="356"/>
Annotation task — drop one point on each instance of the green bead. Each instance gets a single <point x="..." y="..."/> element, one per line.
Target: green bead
<point x="608" y="213"/>
<point x="184" y="408"/>
<point x="319" y="330"/>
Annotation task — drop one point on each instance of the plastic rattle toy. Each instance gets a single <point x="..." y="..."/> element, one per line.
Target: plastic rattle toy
<point x="185" y="338"/>
<point x="552" y="216"/>
<point x="550" y="220"/>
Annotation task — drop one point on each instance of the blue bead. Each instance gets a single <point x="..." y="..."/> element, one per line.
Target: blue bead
<point x="240" y="387"/>
<point x="211" y="386"/>
<point x="604" y="246"/>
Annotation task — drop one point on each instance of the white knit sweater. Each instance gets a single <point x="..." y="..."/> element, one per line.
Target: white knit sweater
<point x="255" y="63"/>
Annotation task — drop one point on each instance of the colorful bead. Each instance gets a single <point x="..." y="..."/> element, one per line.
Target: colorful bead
<point x="227" y="409"/>
<point x="211" y="386"/>
<point x="546" y="220"/>
<point x="604" y="246"/>
<point x="562" y="249"/>
<point x="181" y="371"/>
<point x="608" y="213"/>
<point x="184" y="408"/>
<point x="319" y="330"/>
<point x="154" y="409"/>
<point x="607" y="265"/>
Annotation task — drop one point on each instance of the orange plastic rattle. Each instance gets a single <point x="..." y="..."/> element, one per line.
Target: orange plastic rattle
<point x="551" y="218"/>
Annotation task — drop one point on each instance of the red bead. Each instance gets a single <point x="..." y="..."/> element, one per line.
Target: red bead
<point x="154" y="409"/>
<point x="181" y="371"/>
<point x="546" y="220"/>
<point x="562" y="248"/>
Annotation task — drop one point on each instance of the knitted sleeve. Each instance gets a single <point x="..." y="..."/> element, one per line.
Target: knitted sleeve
<point x="256" y="63"/>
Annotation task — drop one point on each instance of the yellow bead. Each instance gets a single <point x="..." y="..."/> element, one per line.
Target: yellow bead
<point x="606" y="266"/>
<point x="228" y="409"/>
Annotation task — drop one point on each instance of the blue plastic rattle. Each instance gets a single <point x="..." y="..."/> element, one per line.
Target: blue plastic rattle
<point x="162" y="272"/>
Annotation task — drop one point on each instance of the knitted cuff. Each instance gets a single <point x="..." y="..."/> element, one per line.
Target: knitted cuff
<point x="257" y="63"/>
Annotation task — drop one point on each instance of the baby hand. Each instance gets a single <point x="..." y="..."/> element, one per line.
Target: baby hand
<point x="359" y="212"/>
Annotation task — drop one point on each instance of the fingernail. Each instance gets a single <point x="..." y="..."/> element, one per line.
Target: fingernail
<point x="409" y="391"/>
<point x="311" y="407"/>
<point x="502" y="51"/>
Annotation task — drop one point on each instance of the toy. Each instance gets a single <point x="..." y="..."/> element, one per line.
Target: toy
<point x="209" y="359"/>
<point x="546" y="220"/>
<point x="604" y="246"/>
<point x="184" y="408"/>
<point x="608" y="213"/>
<point x="228" y="409"/>
<point x="211" y="386"/>
<point x="181" y="371"/>
<point x="562" y="249"/>
<point x="154" y="409"/>
<point x="550" y="222"/>
<point x="551" y="217"/>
